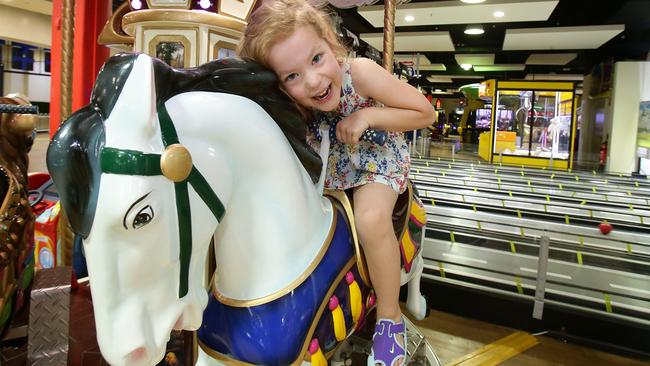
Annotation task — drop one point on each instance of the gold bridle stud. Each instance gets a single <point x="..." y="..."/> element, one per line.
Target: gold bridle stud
<point x="176" y="163"/>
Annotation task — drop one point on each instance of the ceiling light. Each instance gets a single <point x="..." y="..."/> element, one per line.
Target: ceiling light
<point x="499" y="14"/>
<point x="136" y="4"/>
<point x="472" y="1"/>
<point x="474" y="29"/>
<point x="409" y="18"/>
<point x="466" y="66"/>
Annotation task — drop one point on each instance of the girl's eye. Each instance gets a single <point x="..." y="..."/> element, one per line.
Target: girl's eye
<point x="291" y="77"/>
<point x="317" y="58"/>
<point x="143" y="217"/>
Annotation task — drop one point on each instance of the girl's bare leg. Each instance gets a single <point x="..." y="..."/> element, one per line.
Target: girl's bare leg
<point x="373" y="209"/>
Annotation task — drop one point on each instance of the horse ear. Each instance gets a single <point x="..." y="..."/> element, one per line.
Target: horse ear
<point x="136" y="105"/>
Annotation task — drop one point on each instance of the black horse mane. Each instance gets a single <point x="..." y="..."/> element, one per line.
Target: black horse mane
<point x="247" y="79"/>
<point x="73" y="155"/>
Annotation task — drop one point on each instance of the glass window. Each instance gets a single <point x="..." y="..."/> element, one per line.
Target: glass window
<point x="47" y="60"/>
<point x="512" y="122"/>
<point x="172" y="53"/>
<point x="22" y="57"/>
<point x="225" y="52"/>
<point x="560" y="128"/>
<point x="533" y="123"/>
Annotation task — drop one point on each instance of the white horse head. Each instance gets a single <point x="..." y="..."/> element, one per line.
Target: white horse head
<point x="105" y="161"/>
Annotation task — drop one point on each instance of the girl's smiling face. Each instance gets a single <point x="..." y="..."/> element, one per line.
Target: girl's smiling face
<point x="308" y="69"/>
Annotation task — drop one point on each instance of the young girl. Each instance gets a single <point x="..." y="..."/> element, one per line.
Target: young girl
<point x="297" y="42"/>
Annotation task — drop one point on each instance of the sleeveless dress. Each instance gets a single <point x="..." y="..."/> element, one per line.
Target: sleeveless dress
<point x="352" y="165"/>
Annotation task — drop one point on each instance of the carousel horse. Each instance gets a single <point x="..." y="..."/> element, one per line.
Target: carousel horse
<point x="164" y="160"/>
<point x="17" y="123"/>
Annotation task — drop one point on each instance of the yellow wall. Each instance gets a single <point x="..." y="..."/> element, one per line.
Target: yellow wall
<point x="631" y="85"/>
<point x="484" y="140"/>
<point x="535" y="85"/>
<point x="25" y="26"/>
<point x="532" y="162"/>
<point x="35" y="86"/>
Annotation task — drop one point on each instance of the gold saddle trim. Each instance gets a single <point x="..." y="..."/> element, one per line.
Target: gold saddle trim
<point x="310" y="333"/>
<point x="291" y="286"/>
<point x="341" y="198"/>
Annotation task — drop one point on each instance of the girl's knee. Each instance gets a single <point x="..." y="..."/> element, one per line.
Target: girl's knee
<point x="372" y="220"/>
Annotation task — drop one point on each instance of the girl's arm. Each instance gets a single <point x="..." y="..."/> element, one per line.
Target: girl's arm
<point x="405" y="107"/>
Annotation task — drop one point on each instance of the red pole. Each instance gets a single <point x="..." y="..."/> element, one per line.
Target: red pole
<point x="90" y="17"/>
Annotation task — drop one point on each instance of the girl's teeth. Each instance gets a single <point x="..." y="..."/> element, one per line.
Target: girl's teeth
<point x="324" y="94"/>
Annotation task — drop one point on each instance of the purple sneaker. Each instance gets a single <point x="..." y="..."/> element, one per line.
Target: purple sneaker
<point x="386" y="350"/>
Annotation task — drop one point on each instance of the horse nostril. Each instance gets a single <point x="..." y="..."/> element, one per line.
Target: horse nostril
<point x="137" y="355"/>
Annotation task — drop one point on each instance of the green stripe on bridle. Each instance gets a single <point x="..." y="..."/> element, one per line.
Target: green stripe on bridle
<point x="130" y="162"/>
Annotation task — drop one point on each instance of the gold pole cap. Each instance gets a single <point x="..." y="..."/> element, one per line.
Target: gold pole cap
<point x="176" y="163"/>
<point x="24" y="123"/>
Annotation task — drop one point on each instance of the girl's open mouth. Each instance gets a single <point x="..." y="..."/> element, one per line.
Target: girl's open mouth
<point x="321" y="98"/>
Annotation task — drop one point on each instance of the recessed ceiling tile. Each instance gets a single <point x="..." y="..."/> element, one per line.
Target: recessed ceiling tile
<point x="413" y="41"/>
<point x="502" y="67"/>
<point x="439" y="79"/>
<point x="433" y="67"/>
<point x="456" y="12"/>
<point x="560" y="38"/>
<point x="550" y="58"/>
<point x="420" y="62"/>
<point x="36" y="6"/>
<point x="467" y="76"/>
<point x="417" y="59"/>
<point x="554" y="77"/>
<point x="475" y="59"/>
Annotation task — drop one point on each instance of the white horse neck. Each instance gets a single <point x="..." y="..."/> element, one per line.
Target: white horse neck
<point x="276" y="221"/>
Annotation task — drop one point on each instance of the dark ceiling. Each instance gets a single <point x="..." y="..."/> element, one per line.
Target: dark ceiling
<point x="632" y="44"/>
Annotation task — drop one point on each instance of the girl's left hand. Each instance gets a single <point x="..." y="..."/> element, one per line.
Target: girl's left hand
<point x="350" y="128"/>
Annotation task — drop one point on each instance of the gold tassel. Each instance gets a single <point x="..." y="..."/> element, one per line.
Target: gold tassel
<point x="337" y="318"/>
<point x="317" y="357"/>
<point x="355" y="297"/>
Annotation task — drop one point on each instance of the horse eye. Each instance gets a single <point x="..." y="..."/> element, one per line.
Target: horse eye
<point x="143" y="217"/>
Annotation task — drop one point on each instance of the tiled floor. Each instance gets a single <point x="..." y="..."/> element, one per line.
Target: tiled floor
<point x="453" y="336"/>
<point x="37" y="154"/>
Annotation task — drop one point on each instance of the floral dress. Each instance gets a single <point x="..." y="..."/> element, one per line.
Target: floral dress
<point x="352" y="165"/>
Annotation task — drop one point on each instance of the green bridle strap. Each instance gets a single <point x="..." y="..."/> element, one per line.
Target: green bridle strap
<point x="203" y="189"/>
<point x="130" y="162"/>
<point x="184" y="214"/>
<point x="183" y="211"/>
<point x="167" y="129"/>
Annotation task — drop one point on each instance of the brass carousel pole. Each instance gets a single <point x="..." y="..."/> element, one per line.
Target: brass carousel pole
<point x="63" y="232"/>
<point x="389" y="34"/>
<point x="67" y="45"/>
